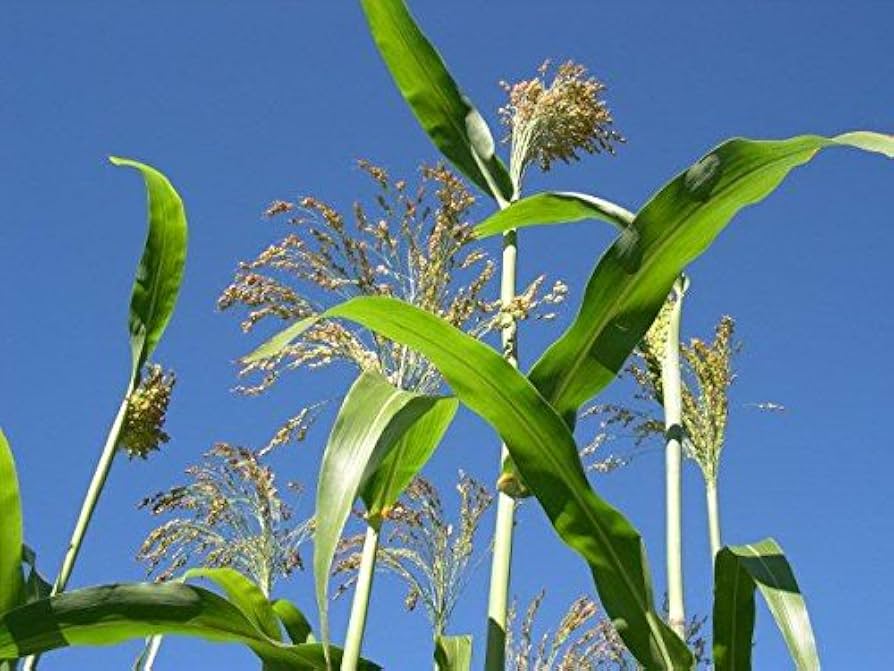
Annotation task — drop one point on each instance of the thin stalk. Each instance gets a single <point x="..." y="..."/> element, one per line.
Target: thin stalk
<point x="360" y="605"/>
<point x="671" y="384"/>
<point x="502" y="547"/>
<point x="100" y="474"/>
<point x="713" y="517"/>
<point x="147" y="659"/>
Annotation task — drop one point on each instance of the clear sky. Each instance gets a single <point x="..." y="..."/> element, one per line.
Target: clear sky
<point x="242" y="103"/>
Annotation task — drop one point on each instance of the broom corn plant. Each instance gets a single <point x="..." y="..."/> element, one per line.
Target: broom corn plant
<point x="376" y="446"/>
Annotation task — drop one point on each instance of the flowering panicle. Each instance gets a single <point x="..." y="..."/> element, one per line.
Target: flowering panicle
<point x="230" y="515"/>
<point x="412" y="243"/>
<point x="555" y="121"/>
<point x="144" y="420"/>
<point x="431" y="555"/>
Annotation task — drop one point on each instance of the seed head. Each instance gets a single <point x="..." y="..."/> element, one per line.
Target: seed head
<point x="144" y="419"/>
<point x="557" y="120"/>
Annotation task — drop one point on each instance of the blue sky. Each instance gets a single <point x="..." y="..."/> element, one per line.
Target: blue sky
<point x="243" y="103"/>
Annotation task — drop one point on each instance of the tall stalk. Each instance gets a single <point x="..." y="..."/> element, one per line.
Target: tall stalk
<point x="94" y="490"/>
<point x="498" y="596"/>
<point x="672" y="392"/>
<point x="713" y="517"/>
<point x="360" y="604"/>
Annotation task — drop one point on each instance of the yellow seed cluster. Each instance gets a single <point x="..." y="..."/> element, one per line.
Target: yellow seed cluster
<point x="144" y="420"/>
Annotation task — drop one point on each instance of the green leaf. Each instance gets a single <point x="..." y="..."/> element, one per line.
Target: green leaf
<point x="453" y="653"/>
<point x="406" y="457"/>
<point x="294" y="621"/>
<point x="160" y="271"/>
<point x="115" y="613"/>
<point x="674" y="228"/>
<point x="737" y="571"/>
<point x="11" y="579"/>
<point x="373" y="418"/>
<point x="553" y="207"/>
<point x="450" y="120"/>
<point x="36" y="586"/>
<point x="245" y="595"/>
<point x="546" y="455"/>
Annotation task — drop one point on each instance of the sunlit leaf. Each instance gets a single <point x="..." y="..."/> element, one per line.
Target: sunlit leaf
<point x="453" y="653"/>
<point x="160" y="271"/>
<point x="546" y="455"/>
<point x="294" y="621"/>
<point x="449" y="118"/>
<point x="11" y="579"/>
<point x="675" y="227"/>
<point x="737" y="571"/>
<point x="113" y="614"/>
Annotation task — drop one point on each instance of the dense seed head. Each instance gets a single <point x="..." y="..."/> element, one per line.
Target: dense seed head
<point x="144" y="420"/>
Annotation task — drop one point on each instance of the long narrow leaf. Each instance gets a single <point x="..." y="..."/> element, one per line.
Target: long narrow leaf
<point x="115" y="613"/>
<point x="546" y="455"/>
<point x="449" y="118"/>
<point x="453" y="653"/>
<point x="371" y="422"/>
<point x="243" y="594"/>
<point x="738" y="570"/>
<point x="554" y="207"/>
<point x="674" y="228"/>
<point x="160" y="271"/>
<point x="11" y="579"/>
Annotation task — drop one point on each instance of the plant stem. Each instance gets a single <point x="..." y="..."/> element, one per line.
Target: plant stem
<point x="502" y="546"/>
<point x="150" y="652"/>
<point x="360" y="605"/>
<point x="713" y="517"/>
<point x="100" y="474"/>
<point x="671" y="384"/>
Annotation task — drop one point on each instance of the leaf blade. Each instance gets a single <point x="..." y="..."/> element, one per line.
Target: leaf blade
<point x="453" y="653"/>
<point x="544" y="451"/>
<point x="446" y="115"/>
<point x="11" y="533"/>
<point x="760" y="565"/>
<point x="678" y="223"/>
<point x="160" y="270"/>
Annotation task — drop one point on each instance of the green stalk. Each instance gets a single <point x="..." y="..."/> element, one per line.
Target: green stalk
<point x="502" y="546"/>
<point x="713" y="517"/>
<point x="671" y="384"/>
<point x="360" y="604"/>
<point x="100" y="474"/>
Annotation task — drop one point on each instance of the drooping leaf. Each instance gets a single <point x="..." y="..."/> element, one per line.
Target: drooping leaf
<point x="294" y="621"/>
<point x="243" y="594"/>
<point x="11" y="579"/>
<point x="553" y="207"/>
<point x="546" y="455"/>
<point x="453" y="653"/>
<point x="737" y="571"/>
<point x="370" y="424"/>
<point x="449" y="118"/>
<point x="160" y="271"/>
<point x="36" y="586"/>
<point x="112" y="614"/>
<point x="674" y="228"/>
<point x="407" y="457"/>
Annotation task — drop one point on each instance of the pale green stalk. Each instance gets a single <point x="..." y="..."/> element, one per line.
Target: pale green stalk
<point x="671" y="384"/>
<point x="497" y="603"/>
<point x="100" y="474"/>
<point x="360" y="604"/>
<point x="713" y="517"/>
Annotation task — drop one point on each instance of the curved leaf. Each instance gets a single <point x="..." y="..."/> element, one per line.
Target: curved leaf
<point x="737" y="571"/>
<point x="36" y="586"/>
<point x="453" y="653"/>
<point x="553" y="207"/>
<point x="373" y="418"/>
<point x="449" y="118"/>
<point x="115" y="613"/>
<point x="243" y="594"/>
<point x="11" y="545"/>
<point x="294" y="621"/>
<point x="160" y="271"/>
<point x="674" y="228"/>
<point x="546" y="455"/>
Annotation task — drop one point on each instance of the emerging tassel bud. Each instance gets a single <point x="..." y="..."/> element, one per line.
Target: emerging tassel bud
<point x="556" y="121"/>
<point x="144" y="420"/>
